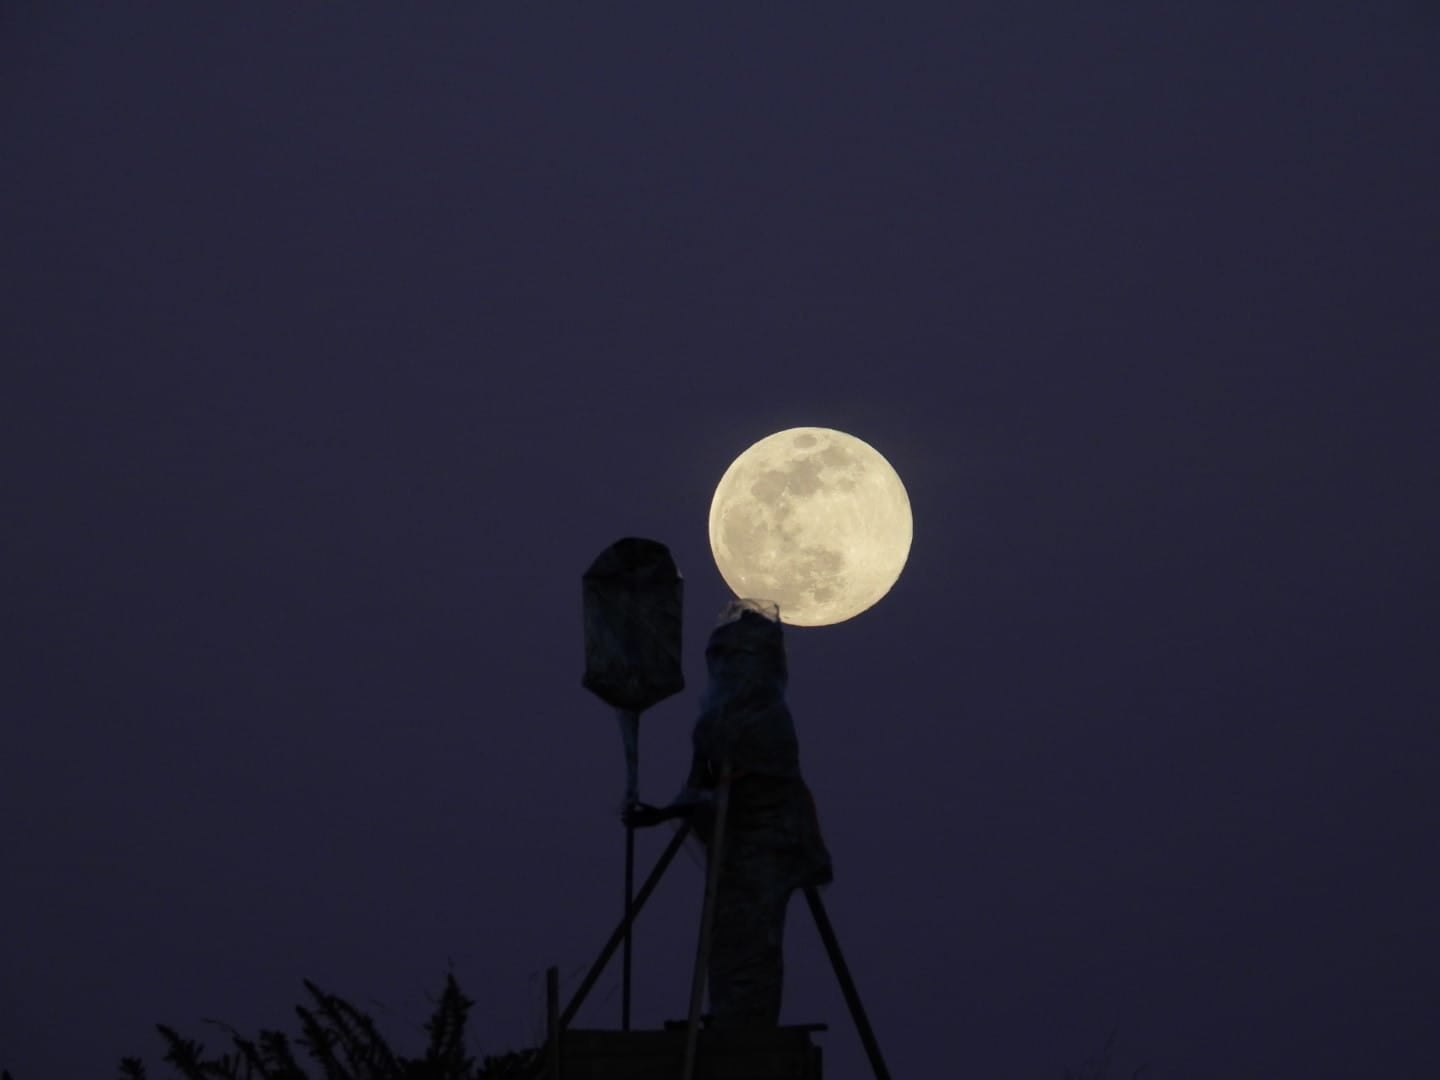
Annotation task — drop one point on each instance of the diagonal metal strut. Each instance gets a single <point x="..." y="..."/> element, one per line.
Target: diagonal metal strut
<point x="588" y="983"/>
<point x="847" y="984"/>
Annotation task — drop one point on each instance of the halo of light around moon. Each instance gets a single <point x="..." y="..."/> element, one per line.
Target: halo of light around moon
<point x="813" y="519"/>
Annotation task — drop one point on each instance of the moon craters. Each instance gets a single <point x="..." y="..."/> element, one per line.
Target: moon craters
<point x="814" y="520"/>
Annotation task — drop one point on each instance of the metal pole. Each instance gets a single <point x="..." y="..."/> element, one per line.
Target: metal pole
<point x="707" y="920"/>
<point x="630" y="732"/>
<point x="629" y="904"/>
<point x="847" y="984"/>
<point x="552" y="1021"/>
<point x="615" y="938"/>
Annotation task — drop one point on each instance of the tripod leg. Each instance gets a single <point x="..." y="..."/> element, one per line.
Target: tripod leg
<point x="614" y="943"/>
<point x="707" y="922"/>
<point x="847" y="984"/>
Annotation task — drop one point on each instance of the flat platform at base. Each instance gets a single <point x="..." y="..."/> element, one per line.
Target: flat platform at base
<point x="778" y="1053"/>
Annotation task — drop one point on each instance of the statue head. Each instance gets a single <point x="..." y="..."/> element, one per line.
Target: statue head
<point x="746" y="650"/>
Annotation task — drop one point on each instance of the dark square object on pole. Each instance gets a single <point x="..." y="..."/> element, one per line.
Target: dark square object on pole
<point x="632" y="601"/>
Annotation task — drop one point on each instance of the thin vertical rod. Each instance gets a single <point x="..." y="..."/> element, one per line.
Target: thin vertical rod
<point x="552" y="1022"/>
<point x="707" y="920"/>
<point x="615" y="938"/>
<point x="630" y="733"/>
<point x="629" y="921"/>
<point x="847" y="984"/>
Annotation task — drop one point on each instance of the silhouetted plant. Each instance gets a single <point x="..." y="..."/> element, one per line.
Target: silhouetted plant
<point x="345" y="1044"/>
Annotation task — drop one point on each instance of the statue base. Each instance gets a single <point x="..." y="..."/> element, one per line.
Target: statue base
<point x="774" y="1053"/>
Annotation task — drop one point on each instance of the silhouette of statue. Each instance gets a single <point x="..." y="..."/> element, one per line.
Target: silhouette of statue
<point x="772" y="844"/>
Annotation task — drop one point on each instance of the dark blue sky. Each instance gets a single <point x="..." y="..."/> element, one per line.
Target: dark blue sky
<point x="338" y="339"/>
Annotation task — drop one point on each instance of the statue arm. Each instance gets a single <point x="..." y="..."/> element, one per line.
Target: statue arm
<point x="699" y="789"/>
<point x="694" y="797"/>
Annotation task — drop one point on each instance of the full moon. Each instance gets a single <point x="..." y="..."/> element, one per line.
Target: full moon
<point x="814" y="520"/>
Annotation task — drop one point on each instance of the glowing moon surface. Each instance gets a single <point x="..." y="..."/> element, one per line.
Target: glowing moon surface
<point x="815" y="520"/>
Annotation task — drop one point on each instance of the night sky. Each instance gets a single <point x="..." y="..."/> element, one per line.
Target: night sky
<point x="338" y="339"/>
